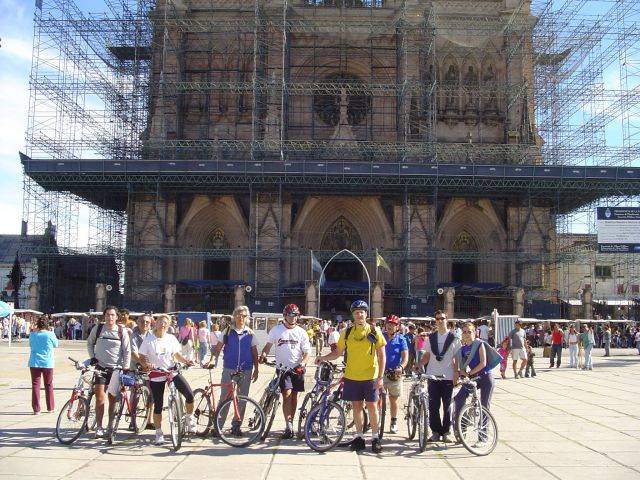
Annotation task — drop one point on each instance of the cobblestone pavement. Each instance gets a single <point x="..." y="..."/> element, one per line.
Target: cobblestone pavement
<point x="564" y="424"/>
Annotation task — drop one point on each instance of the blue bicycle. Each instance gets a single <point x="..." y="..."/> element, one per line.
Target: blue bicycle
<point x="326" y="422"/>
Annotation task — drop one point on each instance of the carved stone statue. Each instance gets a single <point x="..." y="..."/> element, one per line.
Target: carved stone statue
<point x="489" y="82"/>
<point x="451" y="84"/>
<point x="471" y="87"/>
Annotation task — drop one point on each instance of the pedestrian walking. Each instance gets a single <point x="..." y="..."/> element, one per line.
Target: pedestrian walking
<point x="41" y="362"/>
<point x="187" y="339"/>
<point x="606" y="340"/>
<point x="518" y="352"/>
<point x="587" y="341"/>
<point x="504" y="353"/>
<point x="572" y="342"/>
<point x="530" y="370"/>
<point x="557" y="337"/>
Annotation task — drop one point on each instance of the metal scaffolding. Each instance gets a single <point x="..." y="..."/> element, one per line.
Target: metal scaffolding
<point x="201" y="83"/>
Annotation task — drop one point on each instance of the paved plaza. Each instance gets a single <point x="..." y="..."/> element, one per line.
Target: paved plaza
<point x="564" y="424"/>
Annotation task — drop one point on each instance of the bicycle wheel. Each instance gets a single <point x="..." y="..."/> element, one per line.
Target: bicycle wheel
<point x="141" y="405"/>
<point x="382" y="413"/>
<point x="239" y="423"/>
<point x="114" y="422"/>
<point x="91" y="420"/>
<point x="307" y="404"/>
<point x="423" y="425"/>
<point x="477" y="429"/>
<point x="324" y="427"/>
<point x="72" y="420"/>
<point x="202" y="412"/>
<point x="269" y="407"/>
<point x="175" y="424"/>
<point x="412" y="416"/>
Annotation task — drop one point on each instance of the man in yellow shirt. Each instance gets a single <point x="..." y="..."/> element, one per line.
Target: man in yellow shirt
<point x="363" y="375"/>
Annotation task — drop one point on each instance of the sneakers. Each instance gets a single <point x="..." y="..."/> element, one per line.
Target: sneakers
<point x="447" y="439"/>
<point x="434" y="438"/>
<point x="235" y="431"/>
<point x="393" y="428"/>
<point x="357" y="444"/>
<point x="159" y="440"/>
<point x="191" y="424"/>
<point x="99" y="432"/>
<point x="376" y="445"/>
<point x="287" y="434"/>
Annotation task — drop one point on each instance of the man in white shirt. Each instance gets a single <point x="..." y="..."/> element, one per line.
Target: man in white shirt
<point x="483" y="332"/>
<point x="292" y="348"/>
<point x="439" y="356"/>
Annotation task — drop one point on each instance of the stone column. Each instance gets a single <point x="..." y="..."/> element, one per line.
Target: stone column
<point x="238" y="296"/>
<point x="169" y="297"/>
<point x="311" y="298"/>
<point x="449" y="301"/>
<point x="377" y="299"/>
<point x="34" y="296"/>
<point x="101" y="296"/>
<point x="587" y="300"/>
<point x="518" y="302"/>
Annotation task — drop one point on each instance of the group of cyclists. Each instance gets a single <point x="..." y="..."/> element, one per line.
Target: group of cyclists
<point x="375" y="361"/>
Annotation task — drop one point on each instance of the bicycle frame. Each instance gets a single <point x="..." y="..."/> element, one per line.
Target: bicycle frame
<point x="232" y="391"/>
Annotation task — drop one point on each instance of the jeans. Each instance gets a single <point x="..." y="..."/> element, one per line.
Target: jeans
<point x="485" y="385"/>
<point x="556" y="350"/>
<point x="587" y="356"/>
<point x="47" y="375"/>
<point x="243" y="389"/>
<point x="440" y="392"/>
<point x="530" y="370"/>
<point x="607" y="346"/>
<point x="203" y="349"/>
<point x="573" y="355"/>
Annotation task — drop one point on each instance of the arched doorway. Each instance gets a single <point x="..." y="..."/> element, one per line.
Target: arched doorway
<point x="344" y="275"/>
<point x="463" y="270"/>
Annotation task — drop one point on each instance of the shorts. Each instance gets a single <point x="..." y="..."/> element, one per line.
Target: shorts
<point x="104" y="379"/>
<point x="292" y="381"/>
<point x="518" y="354"/>
<point x="360" y="390"/>
<point x="394" y="387"/>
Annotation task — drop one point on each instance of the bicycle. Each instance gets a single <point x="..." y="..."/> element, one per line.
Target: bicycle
<point x="77" y="410"/>
<point x="325" y="425"/>
<point x="207" y="415"/>
<point x="270" y="400"/>
<point x="135" y="405"/>
<point x="474" y="425"/>
<point x="417" y="411"/>
<point x="175" y="406"/>
<point x="311" y="399"/>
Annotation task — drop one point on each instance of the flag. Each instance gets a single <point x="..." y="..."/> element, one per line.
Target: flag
<point x="381" y="263"/>
<point x="315" y="264"/>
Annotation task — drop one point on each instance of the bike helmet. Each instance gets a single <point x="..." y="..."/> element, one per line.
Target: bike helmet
<point x="324" y="373"/>
<point x="291" y="310"/>
<point x="359" y="304"/>
<point x="393" y="319"/>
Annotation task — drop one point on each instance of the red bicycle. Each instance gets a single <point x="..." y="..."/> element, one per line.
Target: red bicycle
<point x="238" y="420"/>
<point x="132" y="402"/>
<point x="76" y="417"/>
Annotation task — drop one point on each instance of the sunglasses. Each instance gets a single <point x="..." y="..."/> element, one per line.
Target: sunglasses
<point x="439" y="318"/>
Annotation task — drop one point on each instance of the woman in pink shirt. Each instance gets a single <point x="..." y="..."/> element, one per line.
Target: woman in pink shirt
<point x="187" y="338"/>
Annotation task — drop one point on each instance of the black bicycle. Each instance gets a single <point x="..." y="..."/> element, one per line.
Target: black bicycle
<point x="270" y="400"/>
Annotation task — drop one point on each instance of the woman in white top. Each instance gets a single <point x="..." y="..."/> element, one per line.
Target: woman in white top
<point x="572" y="341"/>
<point x="159" y="352"/>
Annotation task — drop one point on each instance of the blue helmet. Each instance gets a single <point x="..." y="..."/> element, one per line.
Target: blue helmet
<point x="359" y="304"/>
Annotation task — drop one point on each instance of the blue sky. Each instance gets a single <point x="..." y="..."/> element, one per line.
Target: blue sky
<point x="16" y="30"/>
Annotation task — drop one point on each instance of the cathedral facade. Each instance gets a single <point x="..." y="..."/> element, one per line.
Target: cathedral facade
<point x="334" y="85"/>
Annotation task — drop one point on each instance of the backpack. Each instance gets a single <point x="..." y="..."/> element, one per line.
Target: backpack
<point x="100" y="327"/>
<point x="493" y="356"/>
<point x="433" y="341"/>
<point x="372" y="337"/>
<point x="225" y="337"/>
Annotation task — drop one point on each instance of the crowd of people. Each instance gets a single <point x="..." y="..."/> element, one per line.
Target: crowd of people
<point x="376" y="357"/>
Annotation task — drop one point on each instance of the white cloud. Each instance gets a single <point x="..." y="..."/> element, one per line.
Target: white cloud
<point x="19" y="48"/>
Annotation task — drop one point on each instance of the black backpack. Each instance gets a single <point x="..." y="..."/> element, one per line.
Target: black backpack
<point x="433" y="341"/>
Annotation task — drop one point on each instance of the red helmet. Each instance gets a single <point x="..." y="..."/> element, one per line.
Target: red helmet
<point x="291" y="310"/>
<point x="393" y="319"/>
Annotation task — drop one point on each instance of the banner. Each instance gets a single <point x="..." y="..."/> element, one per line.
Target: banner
<point x="618" y="229"/>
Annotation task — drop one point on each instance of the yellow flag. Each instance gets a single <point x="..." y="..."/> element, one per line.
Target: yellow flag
<point x="381" y="263"/>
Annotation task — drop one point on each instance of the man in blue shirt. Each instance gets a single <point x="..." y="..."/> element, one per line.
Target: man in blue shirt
<point x="397" y="353"/>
